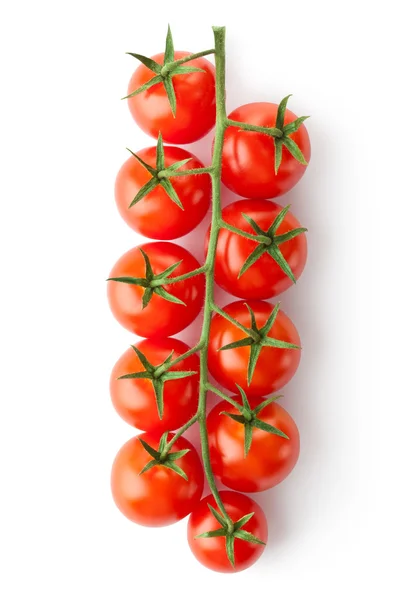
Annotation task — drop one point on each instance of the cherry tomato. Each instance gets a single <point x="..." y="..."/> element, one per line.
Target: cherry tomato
<point x="248" y="161"/>
<point x="195" y="102"/>
<point x="270" y="459"/>
<point x="275" y="366"/>
<point x="211" y="552"/>
<point x="161" y="317"/>
<point x="135" y="400"/>
<point x="265" y="278"/>
<point x="156" y="215"/>
<point x="160" y="496"/>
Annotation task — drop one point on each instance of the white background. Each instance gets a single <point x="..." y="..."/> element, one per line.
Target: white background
<point x="334" y="524"/>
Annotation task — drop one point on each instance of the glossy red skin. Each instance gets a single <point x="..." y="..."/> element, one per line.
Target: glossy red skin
<point x="211" y="552"/>
<point x="270" y="459"/>
<point x="265" y="278"/>
<point x="134" y="399"/>
<point x="160" y="318"/>
<point x="195" y="102"/>
<point x="275" y="366"/>
<point x="156" y="215"/>
<point x="248" y="160"/>
<point x="159" y="496"/>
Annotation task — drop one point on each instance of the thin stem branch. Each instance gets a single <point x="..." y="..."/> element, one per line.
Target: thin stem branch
<point x="186" y="59"/>
<point x="179" y="433"/>
<point x="231" y="401"/>
<point x="178" y="278"/>
<point x="215" y="390"/>
<point x="158" y="372"/>
<point x="272" y="131"/>
<point x="201" y="171"/>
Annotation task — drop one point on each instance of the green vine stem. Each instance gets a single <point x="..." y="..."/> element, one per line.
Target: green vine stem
<point x="221" y="124"/>
<point x="202" y="171"/>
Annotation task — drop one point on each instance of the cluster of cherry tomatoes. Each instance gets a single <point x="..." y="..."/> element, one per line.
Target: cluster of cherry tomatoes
<point x="253" y="441"/>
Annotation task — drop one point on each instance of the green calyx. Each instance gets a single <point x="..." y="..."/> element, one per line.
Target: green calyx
<point x="257" y="339"/>
<point x="152" y="284"/>
<point x="269" y="242"/>
<point x="167" y="71"/>
<point x="280" y="133"/>
<point x="248" y="417"/>
<point x="159" y="175"/>
<point x="231" y="531"/>
<point x="158" y="375"/>
<point x="163" y="458"/>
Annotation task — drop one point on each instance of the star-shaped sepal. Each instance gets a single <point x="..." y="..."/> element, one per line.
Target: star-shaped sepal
<point x="280" y="133"/>
<point x="162" y="457"/>
<point x="152" y="284"/>
<point x="268" y="242"/>
<point x="164" y="73"/>
<point x="248" y="417"/>
<point x="160" y="175"/>
<point x="258" y="339"/>
<point x="231" y="532"/>
<point x="158" y="375"/>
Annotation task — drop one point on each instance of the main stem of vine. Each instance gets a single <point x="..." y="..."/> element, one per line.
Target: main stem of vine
<point x="221" y="124"/>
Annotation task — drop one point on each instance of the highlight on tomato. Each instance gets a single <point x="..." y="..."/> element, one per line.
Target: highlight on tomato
<point x="154" y="486"/>
<point x="142" y="300"/>
<point x="148" y="393"/>
<point x="153" y="200"/>
<point x="265" y="267"/>
<point x="169" y="95"/>
<point x="260" y="359"/>
<point x="211" y="541"/>
<point x="254" y="443"/>
<point x="256" y="165"/>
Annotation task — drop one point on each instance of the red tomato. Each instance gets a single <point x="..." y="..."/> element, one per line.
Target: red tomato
<point x="135" y="400"/>
<point x="156" y="215"/>
<point x="248" y="161"/>
<point x="211" y="552"/>
<point x="160" y="318"/>
<point x="264" y="279"/>
<point x="270" y="459"/>
<point x="195" y="102"/>
<point x="159" y="496"/>
<point x="275" y="366"/>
